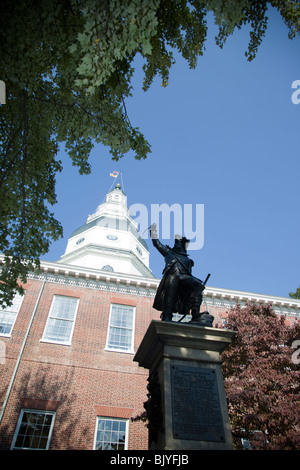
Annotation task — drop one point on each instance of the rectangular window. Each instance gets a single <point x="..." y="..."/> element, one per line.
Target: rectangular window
<point x="34" y="430"/>
<point x="111" y="434"/>
<point x="61" y="320"/>
<point x="8" y="315"/>
<point x="121" y="328"/>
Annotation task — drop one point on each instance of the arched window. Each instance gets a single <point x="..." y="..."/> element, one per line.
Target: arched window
<point x="107" y="267"/>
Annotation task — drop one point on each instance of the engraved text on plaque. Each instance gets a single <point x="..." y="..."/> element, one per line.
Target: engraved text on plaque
<point x="196" y="408"/>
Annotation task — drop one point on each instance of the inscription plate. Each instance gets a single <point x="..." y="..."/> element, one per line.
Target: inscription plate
<point x="196" y="408"/>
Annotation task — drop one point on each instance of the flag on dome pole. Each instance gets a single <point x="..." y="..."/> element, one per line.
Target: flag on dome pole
<point x="114" y="174"/>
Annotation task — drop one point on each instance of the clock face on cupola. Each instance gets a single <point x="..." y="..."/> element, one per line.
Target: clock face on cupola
<point x="109" y="240"/>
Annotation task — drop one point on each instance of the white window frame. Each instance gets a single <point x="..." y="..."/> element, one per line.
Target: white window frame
<point x="66" y="343"/>
<point x="108" y="418"/>
<point x="25" y="410"/>
<point x="14" y="308"/>
<point x="113" y="349"/>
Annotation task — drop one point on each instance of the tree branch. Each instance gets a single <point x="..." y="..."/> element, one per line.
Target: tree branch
<point x="76" y="104"/>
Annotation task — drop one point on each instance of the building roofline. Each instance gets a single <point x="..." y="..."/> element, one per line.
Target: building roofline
<point x="243" y="296"/>
<point x="67" y="270"/>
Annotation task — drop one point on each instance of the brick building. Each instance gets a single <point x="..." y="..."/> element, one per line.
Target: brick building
<point x="68" y="379"/>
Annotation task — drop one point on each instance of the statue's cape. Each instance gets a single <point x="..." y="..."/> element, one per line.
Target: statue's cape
<point x="182" y="304"/>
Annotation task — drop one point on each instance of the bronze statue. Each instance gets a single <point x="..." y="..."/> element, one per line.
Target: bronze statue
<point x="179" y="291"/>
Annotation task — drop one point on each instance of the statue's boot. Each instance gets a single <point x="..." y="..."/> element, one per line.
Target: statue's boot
<point x="203" y="318"/>
<point x="195" y="308"/>
<point x="167" y="313"/>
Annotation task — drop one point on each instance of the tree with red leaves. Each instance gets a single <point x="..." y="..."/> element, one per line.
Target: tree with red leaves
<point x="261" y="373"/>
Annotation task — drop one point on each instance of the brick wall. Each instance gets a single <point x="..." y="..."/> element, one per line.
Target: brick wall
<point x="79" y="381"/>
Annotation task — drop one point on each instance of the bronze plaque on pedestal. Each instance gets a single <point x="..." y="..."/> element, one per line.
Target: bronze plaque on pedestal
<point x="196" y="408"/>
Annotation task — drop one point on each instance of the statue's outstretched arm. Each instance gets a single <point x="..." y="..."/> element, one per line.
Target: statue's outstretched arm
<point x="156" y="243"/>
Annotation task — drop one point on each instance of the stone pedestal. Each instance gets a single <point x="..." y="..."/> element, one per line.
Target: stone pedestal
<point x="187" y="407"/>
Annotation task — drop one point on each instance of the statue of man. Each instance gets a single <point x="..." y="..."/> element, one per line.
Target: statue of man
<point x="179" y="291"/>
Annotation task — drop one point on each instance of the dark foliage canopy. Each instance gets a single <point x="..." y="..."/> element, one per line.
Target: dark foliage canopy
<point x="67" y="67"/>
<point x="262" y="378"/>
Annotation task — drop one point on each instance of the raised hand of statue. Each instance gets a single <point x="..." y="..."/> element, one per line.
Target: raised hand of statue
<point x="153" y="231"/>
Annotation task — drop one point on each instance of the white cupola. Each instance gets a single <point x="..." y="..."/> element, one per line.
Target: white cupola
<point x="109" y="240"/>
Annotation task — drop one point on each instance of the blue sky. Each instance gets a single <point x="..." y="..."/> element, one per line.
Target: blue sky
<point x="225" y="135"/>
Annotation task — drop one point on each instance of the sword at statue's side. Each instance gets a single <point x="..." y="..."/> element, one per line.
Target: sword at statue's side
<point x="206" y="279"/>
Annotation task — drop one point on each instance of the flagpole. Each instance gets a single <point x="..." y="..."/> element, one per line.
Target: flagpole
<point x="122" y="183"/>
<point x="115" y="175"/>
